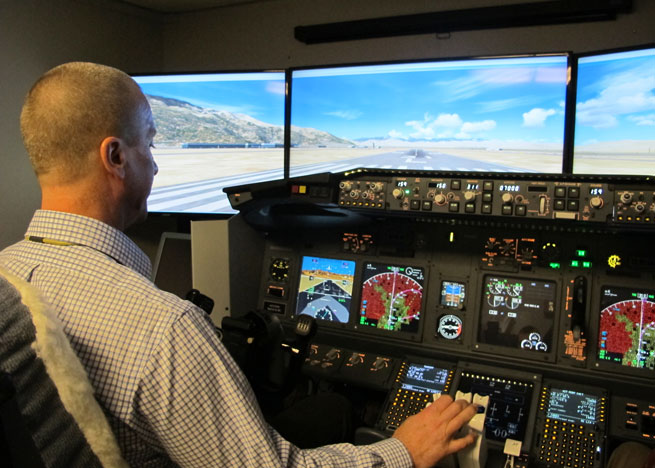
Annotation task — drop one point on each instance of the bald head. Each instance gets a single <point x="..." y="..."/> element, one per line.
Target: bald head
<point x="71" y="109"/>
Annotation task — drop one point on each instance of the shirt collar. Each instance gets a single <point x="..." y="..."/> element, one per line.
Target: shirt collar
<point x="89" y="232"/>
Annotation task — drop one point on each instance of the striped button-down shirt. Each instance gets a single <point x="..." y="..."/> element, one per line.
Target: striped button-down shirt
<point x="171" y="391"/>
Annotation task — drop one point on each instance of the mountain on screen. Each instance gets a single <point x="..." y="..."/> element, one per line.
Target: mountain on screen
<point x="179" y="122"/>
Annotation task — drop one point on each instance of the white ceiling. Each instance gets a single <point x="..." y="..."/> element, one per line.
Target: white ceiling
<point x="181" y="6"/>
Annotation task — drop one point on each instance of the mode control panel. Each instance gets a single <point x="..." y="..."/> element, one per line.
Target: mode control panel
<point x="592" y="201"/>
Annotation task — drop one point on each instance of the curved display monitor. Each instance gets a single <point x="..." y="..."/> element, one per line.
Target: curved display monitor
<point x="518" y="314"/>
<point x="325" y="289"/>
<point x="626" y="332"/>
<point x="392" y="297"/>
<point x="615" y="113"/>
<point x="488" y="114"/>
<point x="213" y="131"/>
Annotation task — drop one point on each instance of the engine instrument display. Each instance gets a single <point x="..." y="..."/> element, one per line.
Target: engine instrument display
<point x="509" y="404"/>
<point x="517" y="313"/>
<point x="325" y="288"/>
<point x="425" y="378"/>
<point x="626" y="331"/>
<point x="571" y="406"/>
<point x="453" y="294"/>
<point x="392" y="297"/>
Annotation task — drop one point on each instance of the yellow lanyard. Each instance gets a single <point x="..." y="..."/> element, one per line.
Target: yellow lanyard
<point x="45" y="240"/>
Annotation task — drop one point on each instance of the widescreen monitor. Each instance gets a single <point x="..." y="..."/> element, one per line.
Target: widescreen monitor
<point x="213" y="131"/>
<point x="488" y="114"/>
<point x="615" y="113"/>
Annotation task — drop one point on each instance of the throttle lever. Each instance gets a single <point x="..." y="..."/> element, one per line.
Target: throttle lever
<point x="579" y="307"/>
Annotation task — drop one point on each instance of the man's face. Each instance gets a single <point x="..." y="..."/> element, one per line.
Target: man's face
<point x="142" y="166"/>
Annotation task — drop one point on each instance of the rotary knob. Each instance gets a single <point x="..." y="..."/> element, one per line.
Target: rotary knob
<point x="596" y="202"/>
<point x="440" y="199"/>
<point x="346" y="185"/>
<point x="397" y="193"/>
<point x="507" y="198"/>
<point x="469" y="195"/>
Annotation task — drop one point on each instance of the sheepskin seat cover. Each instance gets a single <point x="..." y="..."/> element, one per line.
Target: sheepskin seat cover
<point x="53" y="393"/>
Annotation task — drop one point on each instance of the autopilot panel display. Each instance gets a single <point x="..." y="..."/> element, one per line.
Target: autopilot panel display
<point x="517" y="313"/>
<point x="509" y="404"/>
<point x="325" y="288"/>
<point x="392" y="297"/>
<point x="626" y="332"/>
<point x="425" y="378"/>
<point x="571" y="406"/>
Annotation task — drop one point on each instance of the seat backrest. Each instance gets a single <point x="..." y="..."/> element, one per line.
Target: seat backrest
<point x="37" y="428"/>
<point x="17" y="448"/>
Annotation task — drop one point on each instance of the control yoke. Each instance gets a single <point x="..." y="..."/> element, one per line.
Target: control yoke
<point x="270" y="360"/>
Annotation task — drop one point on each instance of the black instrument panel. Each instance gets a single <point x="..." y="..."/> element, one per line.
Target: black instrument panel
<point x="545" y="280"/>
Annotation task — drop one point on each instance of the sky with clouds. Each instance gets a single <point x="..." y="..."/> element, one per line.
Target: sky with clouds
<point x="488" y="99"/>
<point x="616" y="97"/>
<point x="259" y="95"/>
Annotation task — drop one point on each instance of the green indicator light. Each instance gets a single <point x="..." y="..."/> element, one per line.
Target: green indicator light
<point x="575" y="263"/>
<point x="407" y="191"/>
<point x="586" y="264"/>
<point x="581" y="253"/>
<point x="555" y="265"/>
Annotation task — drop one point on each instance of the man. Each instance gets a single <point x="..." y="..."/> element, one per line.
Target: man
<point x="173" y="395"/>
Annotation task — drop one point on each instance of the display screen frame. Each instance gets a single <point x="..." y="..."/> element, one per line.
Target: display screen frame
<point x="430" y="388"/>
<point x="598" y="113"/>
<point x="295" y="72"/>
<point x="567" y="417"/>
<point x="403" y="334"/>
<point x="597" y="308"/>
<point x="550" y="354"/>
<point x="186" y="192"/>
<point x="531" y="380"/>
<point x="326" y="259"/>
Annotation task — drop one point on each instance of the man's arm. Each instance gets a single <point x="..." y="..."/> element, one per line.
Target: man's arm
<point x="195" y="404"/>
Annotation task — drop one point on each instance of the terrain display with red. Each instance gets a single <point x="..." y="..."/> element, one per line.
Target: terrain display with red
<point x="391" y="297"/>
<point x="626" y="331"/>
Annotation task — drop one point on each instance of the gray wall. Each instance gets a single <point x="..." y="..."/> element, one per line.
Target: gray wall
<point x="261" y="35"/>
<point x="38" y="34"/>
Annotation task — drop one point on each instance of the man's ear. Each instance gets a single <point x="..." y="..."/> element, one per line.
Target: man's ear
<point x="113" y="156"/>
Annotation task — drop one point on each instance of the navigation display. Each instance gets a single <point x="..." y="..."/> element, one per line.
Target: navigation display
<point x="517" y="313"/>
<point x="214" y="130"/>
<point x="570" y="406"/>
<point x="509" y="404"/>
<point x="425" y="378"/>
<point x="392" y="297"/>
<point x="325" y="288"/>
<point x="503" y="114"/>
<point x="626" y="332"/>
<point x="614" y="113"/>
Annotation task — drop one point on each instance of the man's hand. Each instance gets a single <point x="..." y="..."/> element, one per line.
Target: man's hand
<point x="429" y="435"/>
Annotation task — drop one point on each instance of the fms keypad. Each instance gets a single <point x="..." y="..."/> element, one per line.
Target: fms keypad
<point x="572" y="424"/>
<point x="413" y="389"/>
